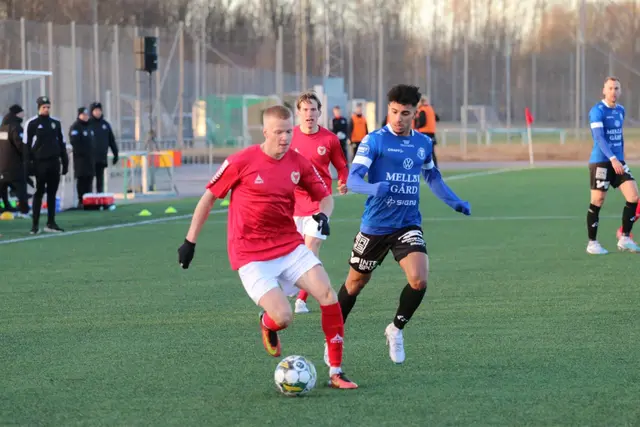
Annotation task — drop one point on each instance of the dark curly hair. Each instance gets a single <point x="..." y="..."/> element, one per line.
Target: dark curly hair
<point x="404" y="95"/>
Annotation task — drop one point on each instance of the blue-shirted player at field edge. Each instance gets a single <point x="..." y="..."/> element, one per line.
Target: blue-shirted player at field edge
<point x="607" y="168"/>
<point x="394" y="157"/>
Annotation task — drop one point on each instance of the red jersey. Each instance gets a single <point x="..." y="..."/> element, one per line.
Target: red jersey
<point x="260" y="225"/>
<point x="321" y="148"/>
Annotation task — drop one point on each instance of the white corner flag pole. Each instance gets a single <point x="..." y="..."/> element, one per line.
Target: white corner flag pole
<point x="530" y="141"/>
<point x="529" y="120"/>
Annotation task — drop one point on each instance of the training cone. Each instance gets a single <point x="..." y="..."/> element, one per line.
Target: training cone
<point x="144" y="212"/>
<point x="224" y="203"/>
<point x="171" y="210"/>
<point x="6" y="216"/>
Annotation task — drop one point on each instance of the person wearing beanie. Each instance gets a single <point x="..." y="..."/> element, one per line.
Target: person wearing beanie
<point x="12" y="160"/>
<point x="104" y="140"/>
<point x="82" y="140"/>
<point x="47" y="154"/>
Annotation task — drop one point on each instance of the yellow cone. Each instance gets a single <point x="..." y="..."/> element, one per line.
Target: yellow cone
<point x="6" y="216"/>
<point x="171" y="210"/>
<point x="144" y="212"/>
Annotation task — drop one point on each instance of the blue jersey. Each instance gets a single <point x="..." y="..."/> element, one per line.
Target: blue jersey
<point x="606" y="128"/>
<point x="398" y="160"/>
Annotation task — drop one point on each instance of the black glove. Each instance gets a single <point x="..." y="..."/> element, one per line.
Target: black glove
<point x="323" y="223"/>
<point x="185" y="253"/>
<point x="115" y="160"/>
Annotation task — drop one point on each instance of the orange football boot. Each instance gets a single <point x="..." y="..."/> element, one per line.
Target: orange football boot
<point x="270" y="339"/>
<point x="341" y="381"/>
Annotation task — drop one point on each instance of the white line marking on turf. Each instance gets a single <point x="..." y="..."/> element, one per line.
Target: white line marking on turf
<point x="215" y="211"/>
<point x="481" y="173"/>
<point x="104" y="228"/>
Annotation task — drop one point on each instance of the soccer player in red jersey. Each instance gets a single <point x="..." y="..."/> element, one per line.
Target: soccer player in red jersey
<point x="322" y="147"/>
<point x="263" y="243"/>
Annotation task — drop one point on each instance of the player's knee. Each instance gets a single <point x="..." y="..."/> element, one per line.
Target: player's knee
<point x="355" y="285"/>
<point x="418" y="283"/>
<point x="327" y="296"/>
<point x="597" y="199"/>
<point x="282" y="317"/>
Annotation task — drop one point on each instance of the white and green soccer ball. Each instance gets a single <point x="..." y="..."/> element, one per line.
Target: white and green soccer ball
<point x="295" y="376"/>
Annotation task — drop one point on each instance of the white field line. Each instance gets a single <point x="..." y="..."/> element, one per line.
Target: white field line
<point x="218" y="211"/>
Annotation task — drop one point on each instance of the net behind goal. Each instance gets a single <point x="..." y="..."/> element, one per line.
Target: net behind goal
<point x="236" y="120"/>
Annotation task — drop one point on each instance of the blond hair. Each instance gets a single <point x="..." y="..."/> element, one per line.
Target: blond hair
<point x="278" y="112"/>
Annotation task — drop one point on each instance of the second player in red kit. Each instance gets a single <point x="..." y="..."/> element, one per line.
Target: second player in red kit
<point x="263" y="243"/>
<point x="321" y="147"/>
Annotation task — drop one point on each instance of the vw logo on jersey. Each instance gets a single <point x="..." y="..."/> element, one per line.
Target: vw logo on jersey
<point x="421" y="153"/>
<point x="295" y="177"/>
<point x="407" y="164"/>
<point x="322" y="150"/>
<point x="617" y="123"/>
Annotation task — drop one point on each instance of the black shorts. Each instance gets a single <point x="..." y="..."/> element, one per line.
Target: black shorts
<point x="370" y="250"/>
<point x="602" y="176"/>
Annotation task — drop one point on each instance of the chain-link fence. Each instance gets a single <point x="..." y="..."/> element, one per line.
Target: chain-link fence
<point x="552" y="60"/>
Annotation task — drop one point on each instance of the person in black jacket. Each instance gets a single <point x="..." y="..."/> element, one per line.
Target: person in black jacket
<point x="82" y="141"/>
<point x="47" y="152"/>
<point x="104" y="139"/>
<point x="13" y="159"/>
<point x="340" y="127"/>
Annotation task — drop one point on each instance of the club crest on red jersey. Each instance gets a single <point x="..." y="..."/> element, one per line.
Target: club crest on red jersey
<point x="295" y="177"/>
<point x="322" y="150"/>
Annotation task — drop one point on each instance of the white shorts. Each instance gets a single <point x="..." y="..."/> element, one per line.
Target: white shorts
<point x="307" y="226"/>
<point x="259" y="277"/>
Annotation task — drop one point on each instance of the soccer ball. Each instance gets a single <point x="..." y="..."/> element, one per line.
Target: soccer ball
<point x="295" y="376"/>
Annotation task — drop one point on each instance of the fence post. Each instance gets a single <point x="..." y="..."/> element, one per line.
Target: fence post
<point x="181" y="88"/>
<point x="52" y="87"/>
<point x="74" y="66"/>
<point x="23" y="60"/>
<point x="96" y="62"/>
<point x="138" y="113"/>
<point x="158" y="106"/>
<point x="116" y="73"/>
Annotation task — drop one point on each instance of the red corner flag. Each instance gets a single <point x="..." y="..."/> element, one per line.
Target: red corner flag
<point x="528" y="116"/>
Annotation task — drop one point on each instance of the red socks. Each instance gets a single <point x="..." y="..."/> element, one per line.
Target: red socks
<point x="638" y="211"/>
<point x="333" y="328"/>
<point x="303" y="295"/>
<point x="269" y="323"/>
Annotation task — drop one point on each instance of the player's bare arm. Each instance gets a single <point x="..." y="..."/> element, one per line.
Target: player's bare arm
<point x="200" y="215"/>
<point x="326" y="205"/>
<point x="339" y="161"/>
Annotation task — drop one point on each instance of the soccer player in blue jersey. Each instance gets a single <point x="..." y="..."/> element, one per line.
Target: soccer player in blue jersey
<point x="607" y="168"/>
<point x="394" y="158"/>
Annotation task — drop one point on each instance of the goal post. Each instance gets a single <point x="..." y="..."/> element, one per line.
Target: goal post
<point x="14" y="89"/>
